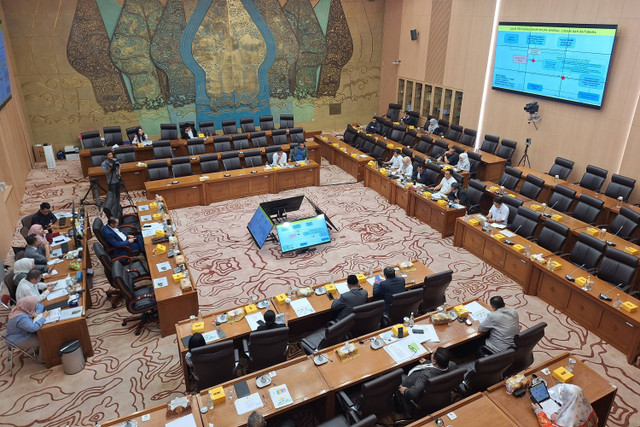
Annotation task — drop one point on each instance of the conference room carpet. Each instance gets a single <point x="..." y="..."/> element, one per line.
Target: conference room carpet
<point x="128" y="373"/>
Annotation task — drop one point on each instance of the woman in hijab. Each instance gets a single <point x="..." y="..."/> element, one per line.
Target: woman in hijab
<point x="38" y="231"/>
<point x="575" y="410"/>
<point x="463" y="162"/>
<point x="407" y="168"/>
<point x="21" y="268"/>
<point x="21" y="327"/>
<point x="433" y="126"/>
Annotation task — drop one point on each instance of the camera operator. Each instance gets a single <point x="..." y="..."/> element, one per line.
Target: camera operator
<point x="111" y="168"/>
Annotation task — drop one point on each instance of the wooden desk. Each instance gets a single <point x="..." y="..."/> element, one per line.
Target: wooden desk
<point x="173" y="303"/>
<point x="157" y="416"/>
<point x="303" y="380"/>
<point x="191" y="191"/>
<point x="340" y="153"/>
<point x="475" y="410"/>
<point x="598" y="391"/>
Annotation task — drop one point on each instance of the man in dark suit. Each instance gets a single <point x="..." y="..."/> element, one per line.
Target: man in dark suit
<point x="419" y="176"/>
<point x="117" y="239"/>
<point x="458" y="195"/>
<point x="188" y="132"/>
<point x="356" y="296"/>
<point x="269" y="322"/>
<point x="414" y="384"/>
<point x="385" y="289"/>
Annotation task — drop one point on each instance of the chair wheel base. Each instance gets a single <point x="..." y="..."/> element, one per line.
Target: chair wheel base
<point x="124" y="323"/>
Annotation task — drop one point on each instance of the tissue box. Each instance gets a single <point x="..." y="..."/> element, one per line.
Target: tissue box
<point x="500" y="237"/>
<point x="361" y="278"/>
<point x="217" y="395"/>
<point x="461" y="311"/>
<point x="474" y="222"/>
<point x="561" y="374"/>
<point x="157" y="216"/>
<point x="354" y="155"/>
<point x="335" y="144"/>
<point x="177" y="277"/>
<point x="580" y="281"/>
<point x="160" y="249"/>
<point x="251" y="308"/>
<point x="592" y="231"/>
<point x="427" y="194"/>
<point x="160" y="233"/>
<point x="331" y="288"/>
<point x="493" y="188"/>
<point x="180" y="259"/>
<point x="442" y="202"/>
<point x="511" y="195"/>
<point x="556" y="217"/>
<point x="383" y="171"/>
<point x="153" y="205"/>
<point x="630" y="250"/>
<point x="390" y="146"/>
<point x="185" y="285"/>
<point x="629" y="307"/>
<point x="555" y="265"/>
<point x="536" y="208"/>
<point x="281" y="299"/>
<point x="197" y="327"/>
<point x="276" y="168"/>
<point x="201" y="135"/>
<point x="399" y="328"/>
<point x="204" y="177"/>
<point x="518" y="248"/>
<point x="371" y="163"/>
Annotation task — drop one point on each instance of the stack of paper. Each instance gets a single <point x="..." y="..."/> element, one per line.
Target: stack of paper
<point x="280" y="396"/>
<point x="253" y="319"/>
<point x="404" y="349"/>
<point x="477" y="311"/>
<point x="302" y="307"/>
<point x="248" y="403"/>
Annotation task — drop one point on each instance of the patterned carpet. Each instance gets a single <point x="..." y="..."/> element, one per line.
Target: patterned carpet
<point x="129" y="373"/>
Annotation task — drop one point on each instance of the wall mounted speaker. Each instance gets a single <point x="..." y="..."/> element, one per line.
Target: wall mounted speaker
<point x="414" y="34"/>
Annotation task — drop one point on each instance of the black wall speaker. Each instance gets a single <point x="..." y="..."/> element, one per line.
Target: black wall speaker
<point x="414" y="34"/>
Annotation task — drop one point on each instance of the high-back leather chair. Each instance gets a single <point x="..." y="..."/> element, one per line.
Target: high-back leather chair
<point x="221" y="143"/>
<point x="618" y="268"/>
<point x="136" y="269"/>
<point x="532" y="187"/>
<point x="209" y="163"/>
<point x="513" y="204"/>
<point x="229" y="127"/>
<point x="112" y="135"/>
<point x="474" y="160"/>
<point x="553" y="236"/>
<point x="444" y="126"/>
<point x="181" y="166"/>
<point x="625" y="224"/>
<point x="169" y="131"/>
<point x="98" y="155"/>
<point x="587" y="252"/>
<point x="230" y="160"/>
<point x="214" y="363"/>
<point x="387" y="127"/>
<point x="525" y="222"/>
<point x="141" y="304"/>
<point x="286" y="121"/>
<point x="162" y="149"/>
<point x="328" y="336"/>
<point x="252" y="158"/>
<point x="490" y="144"/>
<point x="506" y="150"/>
<point x="393" y="111"/>
<point x="397" y="132"/>
<point x="620" y="186"/>
<point x="125" y="154"/>
<point x="469" y="137"/>
<point x="439" y="148"/>
<point x="349" y="135"/>
<point x="433" y="174"/>
<point x="475" y="193"/>
<point x="524" y="343"/>
<point x="434" y="290"/>
<point x="403" y="304"/>
<point x="296" y="135"/>
<point x="454" y="133"/>
<point x="131" y="132"/>
<point x="91" y="139"/>
<point x="279" y="136"/>
<point x="562" y="198"/>
<point x="368" y="318"/>
<point x="247" y="124"/>
<point x="375" y="396"/>
<point x="195" y="146"/>
<point x="27" y="222"/>
<point x="593" y="178"/>
<point x="587" y="209"/>
<point x="158" y="169"/>
<point x="258" y="139"/>
<point x="208" y="128"/>
<point x="487" y="371"/>
<point x="562" y="168"/>
<point x="267" y="348"/>
<point x="425" y="144"/>
<point x="240" y="141"/>
<point x="266" y="123"/>
<point x="510" y="178"/>
<point x="409" y="138"/>
<point x="438" y="393"/>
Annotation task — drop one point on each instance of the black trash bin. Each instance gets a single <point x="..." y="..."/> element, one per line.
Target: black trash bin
<point x="73" y="360"/>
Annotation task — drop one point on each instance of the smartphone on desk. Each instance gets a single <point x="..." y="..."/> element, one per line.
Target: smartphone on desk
<point x="377" y="279"/>
<point x="330" y="296"/>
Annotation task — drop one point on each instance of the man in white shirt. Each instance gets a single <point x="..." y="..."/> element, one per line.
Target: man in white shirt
<point x="395" y="162"/>
<point x="499" y="212"/>
<point x="32" y="284"/>
<point x="279" y="158"/>
<point x="502" y="324"/>
<point x="445" y="184"/>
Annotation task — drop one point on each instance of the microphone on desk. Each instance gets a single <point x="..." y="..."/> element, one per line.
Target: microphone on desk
<point x="547" y="214"/>
<point x="569" y="276"/>
<point x="517" y="229"/>
<point x="605" y="296"/>
<point x="503" y="180"/>
<point x="609" y="242"/>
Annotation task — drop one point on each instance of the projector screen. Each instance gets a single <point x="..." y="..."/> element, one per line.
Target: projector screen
<point x="303" y="233"/>
<point x="5" y="86"/>
<point x="563" y="62"/>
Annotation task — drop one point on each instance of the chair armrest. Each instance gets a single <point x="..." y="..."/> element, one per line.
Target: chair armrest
<point x="129" y="215"/>
<point x="112" y="249"/>
<point x="141" y="297"/>
<point x="593" y="270"/>
<point x="245" y="346"/>
<point x="129" y="226"/>
<point x="141" y="278"/>
<point x="123" y="257"/>
<point x="345" y="402"/>
<point x="564" y="255"/>
<point x="236" y="355"/>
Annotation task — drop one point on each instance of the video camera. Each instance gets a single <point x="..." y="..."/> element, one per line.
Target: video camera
<point x="532" y="107"/>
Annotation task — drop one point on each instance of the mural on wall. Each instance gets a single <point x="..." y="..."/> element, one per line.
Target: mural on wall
<point x="160" y="61"/>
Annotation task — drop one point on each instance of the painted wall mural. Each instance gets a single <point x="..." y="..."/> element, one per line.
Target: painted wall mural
<point x="160" y="61"/>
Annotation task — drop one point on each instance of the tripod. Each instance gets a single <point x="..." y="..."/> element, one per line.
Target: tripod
<point x="95" y="187"/>
<point x="525" y="157"/>
<point x="126" y="191"/>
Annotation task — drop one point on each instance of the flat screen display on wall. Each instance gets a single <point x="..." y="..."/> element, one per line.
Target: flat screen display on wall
<point x="5" y="86"/>
<point x="563" y="62"/>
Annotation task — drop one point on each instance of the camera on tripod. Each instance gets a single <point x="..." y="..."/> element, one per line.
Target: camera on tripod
<point x="532" y="108"/>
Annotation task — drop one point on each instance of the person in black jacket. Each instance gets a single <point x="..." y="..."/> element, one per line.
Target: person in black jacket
<point x="385" y="289"/>
<point x="355" y="297"/>
<point x="269" y="322"/>
<point x="419" y="175"/>
<point x="458" y="195"/>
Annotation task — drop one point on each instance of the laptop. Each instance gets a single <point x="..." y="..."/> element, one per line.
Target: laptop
<point x="540" y="395"/>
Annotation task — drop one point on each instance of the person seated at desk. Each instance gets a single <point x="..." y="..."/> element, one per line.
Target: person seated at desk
<point x="407" y="168"/>
<point x="374" y="126"/>
<point x="22" y="329"/>
<point x="458" y="195"/>
<point x="502" y="324"/>
<point x="413" y="384"/>
<point x="434" y="128"/>
<point x="463" y="162"/>
<point x="32" y="284"/>
<point x="117" y="239"/>
<point x="140" y="137"/>
<point x="385" y="289"/>
<point x="450" y="157"/>
<point x="40" y="232"/>
<point x="355" y="297"/>
<point x="279" y="158"/>
<point x="44" y="217"/>
<point x="395" y="162"/>
<point x="196" y="340"/>
<point x="419" y="177"/>
<point x="407" y="119"/>
<point x="445" y="184"/>
<point x="575" y="410"/>
<point x="269" y="322"/>
<point x="21" y="268"/>
<point x="499" y="212"/>
<point x="299" y="153"/>
<point x="111" y="168"/>
<point x="39" y="251"/>
<point x="188" y="132"/>
<point x="257" y="420"/>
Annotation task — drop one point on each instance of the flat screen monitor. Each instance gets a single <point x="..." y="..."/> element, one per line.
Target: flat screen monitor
<point x="260" y="226"/>
<point x="303" y="233"/>
<point x="282" y="206"/>
<point x="321" y="212"/>
<point x="5" y="84"/>
<point x="562" y="62"/>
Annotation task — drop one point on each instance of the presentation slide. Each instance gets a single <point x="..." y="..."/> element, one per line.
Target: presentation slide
<point x="260" y="226"/>
<point x="303" y="233"/>
<point x="566" y="62"/>
<point x="5" y="86"/>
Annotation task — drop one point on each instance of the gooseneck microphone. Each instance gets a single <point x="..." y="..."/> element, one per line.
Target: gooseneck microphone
<point x="569" y="276"/>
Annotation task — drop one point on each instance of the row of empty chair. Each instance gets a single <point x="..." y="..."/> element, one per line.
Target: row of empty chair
<point x="113" y="134"/>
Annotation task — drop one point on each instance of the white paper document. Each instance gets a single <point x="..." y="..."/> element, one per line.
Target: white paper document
<point x="160" y="282"/>
<point x="57" y="294"/>
<point x="280" y="396"/>
<point x="428" y="334"/>
<point x="57" y="252"/>
<point x="163" y="266"/>
<point x="477" y="311"/>
<point x="143" y="208"/>
<point x="53" y="317"/>
<point x="302" y="307"/>
<point x="54" y="262"/>
<point x="248" y="403"/>
<point x="404" y="350"/>
<point x="507" y="233"/>
<point x="210" y="336"/>
<point x="71" y="313"/>
<point x="146" y="218"/>
<point x="253" y="319"/>
<point x="342" y="287"/>
<point x="59" y="240"/>
<point x="63" y="215"/>
<point x="186" y="421"/>
<point x="388" y="337"/>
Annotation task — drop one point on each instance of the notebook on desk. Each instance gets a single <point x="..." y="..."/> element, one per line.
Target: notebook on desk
<point x="540" y="395"/>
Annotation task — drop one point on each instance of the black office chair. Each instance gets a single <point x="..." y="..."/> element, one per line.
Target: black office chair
<point x="433" y="174"/>
<point x="454" y="133"/>
<point x="125" y="154"/>
<point x="27" y="222"/>
<point x="208" y="128"/>
<point x="425" y="144"/>
<point x="258" y="139"/>
<point x="158" y="170"/>
<point x="162" y="149"/>
<point x="98" y="155"/>
<point x="562" y="198"/>
<point x="279" y="137"/>
<point x="620" y="186"/>
<point x="182" y="125"/>
<point x="195" y="146"/>
<point x="240" y="141"/>
<point x="618" y="268"/>
<point x="469" y="137"/>
<point x="513" y="204"/>
<point x="229" y="127"/>
<point x="393" y="111"/>
<point x="409" y="138"/>
<point x="587" y="252"/>
<point x="230" y="160"/>
<point x="438" y="393"/>
<point x="397" y="132"/>
<point x="252" y="158"/>
<point x="97" y="227"/>
<point x="286" y="121"/>
<point x="326" y="337"/>
<point x="490" y="144"/>
<point x="532" y="187"/>
<point x="266" y="348"/>
<point x="247" y="124"/>
<point x="209" y="163"/>
<point x="379" y="150"/>
<point x="135" y="268"/>
<point x="169" y="131"/>
<point x="510" y="178"/>
<point x="434" y="291"/>
<point x="474" y="161"/>
<point x="553" y="236"/>
<point x="349" y="135"/>
<point x="475" y="192"/>
<point x="221" y="143"/>
<point x="11" y="284"/>
<point x="141" y="303"/>
<point x="525" y="222"/>
<point x="562" y="168"/>
<point x="444" y="126"/>
<point x="112" y="135"/>
<point x="458" y="149"/>
<point x="402" y="305"/>
<point x="524" y="342"/>
<point x="131" y="132"/>
<point x="486" y="371"/>
<point x="587" y="209"/>
<point x="266" y="123"/>
<point x="368" y="318"/>
<point x="181" y="166"/>
<point x="439" y="148"/>
<point x="374" y="396"/>
<point x="625" y="224"/>
<point x="113" y="208"/>
<point x="296" y="135"/>
<point x="506" y="150"/>
<point x="387" y="127"/>
<point x="220" y="355"/>
<point x="346" y="421"/>
<point x="91" y="139"/>
<point x="593" y="178"/>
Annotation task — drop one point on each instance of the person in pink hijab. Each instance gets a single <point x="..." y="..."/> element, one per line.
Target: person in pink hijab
<point x="38" y="230"/>
<point x="575" y="410"/>
<point x="22" y="328"/>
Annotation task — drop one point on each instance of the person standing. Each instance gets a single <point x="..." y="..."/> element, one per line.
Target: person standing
<point x="111" y="168"/>
<point x="502" y="324"/>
